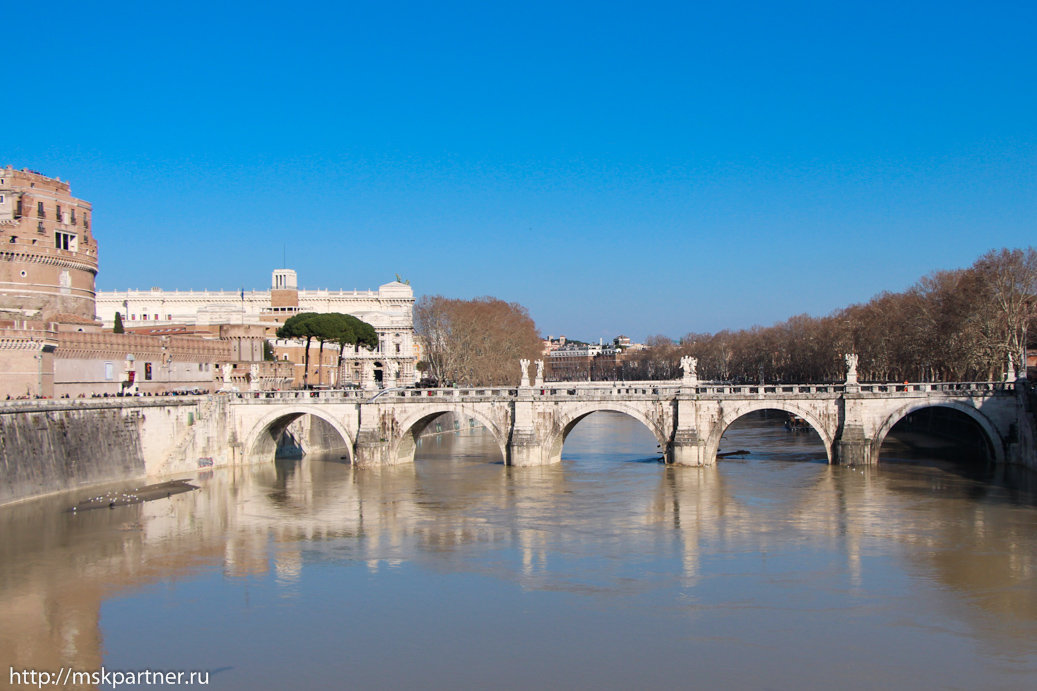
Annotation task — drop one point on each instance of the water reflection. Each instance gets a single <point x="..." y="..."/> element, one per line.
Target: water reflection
<point x="746" y="548"/>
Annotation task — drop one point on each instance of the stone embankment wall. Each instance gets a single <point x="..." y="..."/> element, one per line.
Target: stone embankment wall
<point x="48" y="451"/>
<point x="51" y="446"/>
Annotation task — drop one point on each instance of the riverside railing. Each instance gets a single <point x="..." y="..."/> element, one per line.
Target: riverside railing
<point x="632" y="390"/>
<point x="548" y="391"/>
<point x="42" y="405"/>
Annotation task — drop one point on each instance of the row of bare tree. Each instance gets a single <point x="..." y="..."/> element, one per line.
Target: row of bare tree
<point x="956" y="325"/>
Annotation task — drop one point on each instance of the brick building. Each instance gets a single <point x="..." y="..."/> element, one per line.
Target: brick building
<point x="51" y="342"/>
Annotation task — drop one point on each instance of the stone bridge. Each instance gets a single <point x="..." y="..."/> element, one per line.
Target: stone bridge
<point x="530" y="423"/>
<point x="51" y="445"/>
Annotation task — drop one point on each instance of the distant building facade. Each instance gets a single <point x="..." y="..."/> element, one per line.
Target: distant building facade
<point x="51" y="342"/>
<point x="577" y="361"/>
<point x="389" y="310"/>
<point x="56" y="334"/>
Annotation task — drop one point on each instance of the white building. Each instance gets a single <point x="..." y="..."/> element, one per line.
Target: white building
<point x="389" y="310"/>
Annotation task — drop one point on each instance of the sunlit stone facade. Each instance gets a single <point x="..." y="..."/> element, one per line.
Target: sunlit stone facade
<point x="48" y="255"/>
<point x="389" y="310"/>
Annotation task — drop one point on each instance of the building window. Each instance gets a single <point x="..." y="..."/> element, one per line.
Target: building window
<point x="86" y="221"/>
<point x="144" y="317"/>
<point x="14" y="239"/>
<point x="39" y="227"/>
<point x="147" y="371"/>
<point x="39" y="210"/>
<point x="65" y="241"/>
<point x="73" y="212"/>
<point x="109" y="371"/>
<point x="57" y="213"/>
<point x="18" y="208"/>
<point x="2" y="199"/>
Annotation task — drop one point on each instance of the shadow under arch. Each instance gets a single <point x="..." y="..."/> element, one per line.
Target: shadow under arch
<point x="261" y="444"/>
<point x="728" y="419"/>
<point x="990" y="433"/>
<point x="412" y="427"/>
<point x="557" y="439"/>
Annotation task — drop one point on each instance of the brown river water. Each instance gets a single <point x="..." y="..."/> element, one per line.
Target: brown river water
<point x="610" y="570"/>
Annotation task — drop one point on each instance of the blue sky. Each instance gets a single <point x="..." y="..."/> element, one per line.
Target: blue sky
<point x="644" y="168"/>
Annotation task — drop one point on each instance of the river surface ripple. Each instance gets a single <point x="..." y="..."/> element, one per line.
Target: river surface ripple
<point x="609" y="570"/>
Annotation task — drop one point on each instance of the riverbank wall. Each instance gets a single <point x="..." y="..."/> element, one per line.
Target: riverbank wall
<point x="58" y="445"/>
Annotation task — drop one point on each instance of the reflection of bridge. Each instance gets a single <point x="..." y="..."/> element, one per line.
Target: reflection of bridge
<point x="57" y="572"/>
<point x="530" y="424"/>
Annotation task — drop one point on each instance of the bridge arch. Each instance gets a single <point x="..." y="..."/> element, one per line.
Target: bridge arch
<point x="261" y="440"/>
<point x="572" y="417"/>
<point x="729" y="418"/>
<point x="411" y="427"/>
<point x="990" y="433"/>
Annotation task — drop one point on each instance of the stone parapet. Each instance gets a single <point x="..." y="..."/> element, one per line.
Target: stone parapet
<point x="28" y="338"/>
<point x="105" y="344"/>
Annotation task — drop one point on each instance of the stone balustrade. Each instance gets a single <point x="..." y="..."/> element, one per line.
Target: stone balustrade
<point x="43" y="405"/>
<point x="604" y="390"/>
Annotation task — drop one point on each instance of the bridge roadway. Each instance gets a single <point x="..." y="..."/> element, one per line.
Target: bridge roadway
<point x="530" y="423"/>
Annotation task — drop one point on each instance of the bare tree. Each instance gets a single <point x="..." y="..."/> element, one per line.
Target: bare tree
<point x="475" y="342"/>
<point x="962" y="324"/>
<point x="1011" y="276"/>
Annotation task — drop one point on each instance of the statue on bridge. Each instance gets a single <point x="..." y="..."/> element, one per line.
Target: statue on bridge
<point x="539" y="381"/>
<point x="524" y="363"/>
<point x="851" y="367"/>
<point x="689" y="365"/>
